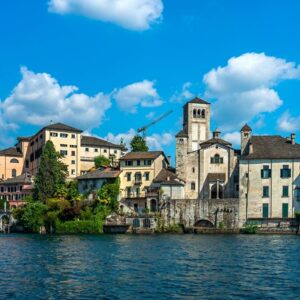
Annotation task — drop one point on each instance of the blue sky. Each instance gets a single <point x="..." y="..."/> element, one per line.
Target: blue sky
<point x="109" y="70"/>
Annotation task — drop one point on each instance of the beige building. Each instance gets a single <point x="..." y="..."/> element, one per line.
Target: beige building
<point x="138" y="171"/>
<point x="269" y="177"/>
<point x="78" y="151"/>
<point x="209" y="166"/>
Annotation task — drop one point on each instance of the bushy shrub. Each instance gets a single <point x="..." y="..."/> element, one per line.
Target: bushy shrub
<point x="249" y="229"/>
<point x="78" y="226"/>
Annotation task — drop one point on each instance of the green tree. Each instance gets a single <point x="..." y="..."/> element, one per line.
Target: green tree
<point x="138" y="144"/>
<point x="101" y="161"/>
<point x="51" y="174"/>
<point x="108" y="195"/>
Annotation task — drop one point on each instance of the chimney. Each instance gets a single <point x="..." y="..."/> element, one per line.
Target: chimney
<point x="293" y="136"/>
<point x="216" y="134"/>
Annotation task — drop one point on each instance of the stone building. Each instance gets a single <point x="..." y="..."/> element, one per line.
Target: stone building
<point x="78" y="151"/>
<point x="209" y="166"/>
<point x="269" y="177"/>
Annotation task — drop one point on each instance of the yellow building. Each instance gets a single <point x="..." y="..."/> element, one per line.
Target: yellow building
<point x="78" y="151"/>
<point x="139" y="169"/>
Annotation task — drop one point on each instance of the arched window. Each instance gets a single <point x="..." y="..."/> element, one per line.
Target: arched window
<point x="194" y="113"/>
<point x="136" y="223"/>
<point x="13" y="173"/>
<point x="216" y="159"/>
<point x="193" y="186"/>
<point x="203" y="113"/>
<point x="14" y="161"/>
<point x="199" y="113"/>
<point x="147" y="223"/>
<point x="153" y="205"/>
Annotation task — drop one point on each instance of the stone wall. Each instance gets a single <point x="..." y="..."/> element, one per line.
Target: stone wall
<point x="219" y="212"/>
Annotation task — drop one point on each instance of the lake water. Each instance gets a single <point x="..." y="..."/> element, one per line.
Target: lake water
<point x="150" y="267"/>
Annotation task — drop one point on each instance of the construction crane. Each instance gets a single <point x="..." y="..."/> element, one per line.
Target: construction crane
<point x="144" y="128"/>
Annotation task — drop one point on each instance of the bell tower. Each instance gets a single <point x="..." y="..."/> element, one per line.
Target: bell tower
<point x="196" y="122"/>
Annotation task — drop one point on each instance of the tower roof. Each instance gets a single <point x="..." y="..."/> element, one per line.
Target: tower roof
<point x="246" y="127"/>
<point x="198" y="100"/>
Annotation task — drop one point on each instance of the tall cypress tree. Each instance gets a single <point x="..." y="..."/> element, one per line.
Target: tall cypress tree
<point x="51" y="174"/>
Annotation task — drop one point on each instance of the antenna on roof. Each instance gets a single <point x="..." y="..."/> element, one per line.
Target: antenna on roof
<point x="51" y="122"/>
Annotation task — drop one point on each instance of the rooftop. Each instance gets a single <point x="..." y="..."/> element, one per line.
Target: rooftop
<point x="62" y="127"/>
<point x="198" y="100"/>
<point x="93" y="141"/>
<point x="108" y="173"/>
<point x="12" y="151"/>
<point x="142" y="155"/>
<point x="216" y="141"/>
<point x="167" y="177"/>
<point x="23" y="178"/>
<point x="246" y="127"/>
<point x="272" y="147"/>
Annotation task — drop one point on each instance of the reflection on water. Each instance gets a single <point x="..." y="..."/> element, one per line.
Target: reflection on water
<point x="148" y="267"/>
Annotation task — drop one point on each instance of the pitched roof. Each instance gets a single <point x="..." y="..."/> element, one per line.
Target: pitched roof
<point x="93" y="141"/>
<point x="24" y="138"/>
<point x="100" y="174"/>
<point x="198" y="100"/>
<point x="63" y="127"/>
<point x="216" y="141"/>
<point x="181" y="133"/>
<point x="23" y="178"/>
<point x="216" y="176"/>
<point x="12" y="151"/>
<point x="246" y="127"/>
<point x="142" y="155"/>
<point x="272" y="147"/>
<point x="167" y="177"/>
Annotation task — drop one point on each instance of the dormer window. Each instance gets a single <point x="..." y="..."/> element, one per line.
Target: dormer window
<point x="285" y="172"/>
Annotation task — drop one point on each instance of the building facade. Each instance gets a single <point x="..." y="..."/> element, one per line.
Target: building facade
<point x="78" y="151"/>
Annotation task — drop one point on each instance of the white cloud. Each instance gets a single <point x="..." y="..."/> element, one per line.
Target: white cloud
<point x="233" y="137"/>
<point x="184" y="95"/>
<point x="130" y="14"/>
<point x="38" y="98"/>
<point x="288" y="123"/>
<point x="154" y="141"/>
<point x="137" y="94"/>
<point x="244" y="88"/>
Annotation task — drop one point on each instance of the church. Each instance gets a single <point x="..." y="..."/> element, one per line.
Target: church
<point x="208" y="165"/>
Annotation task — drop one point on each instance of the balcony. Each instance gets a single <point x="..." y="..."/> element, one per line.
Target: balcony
<point x="138" y="181"/>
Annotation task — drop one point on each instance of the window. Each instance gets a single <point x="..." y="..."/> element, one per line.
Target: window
<point x="137" y="192"/>
<point x="266" y="172"/>
<point x="136" y="223"/>
<point x="72" y="172"/>
<point x="285" y="172"/>
<point x="297" y="193"/>
<point x="14" y="161"/>
<point x="63" y="145"/>
<point x="147" y="223"/>
<point x="193" y="170"/>
<point x="147" y="162"/>
<point x="193" y="186"/>
<point x="147" y="176"/>
<point x="96" y="150"/>
<point x="285" y="191"/>
<point x="73" y="146"/>
<point x="13" y="173"/>
<point x="265" y="213"/>
<point x="63" y="152"/>
<point x="203" y="113"/>
<point x="216" y="159"/>
<point x="181" y="141"/>
<point x="73" y="162"/>
<point x="237" y="187"/>
<point x="26" y="164"/>
<point x="247" y="175"/>
<point x="138" y="178"/>
<point x="73" y="153"/>
<point x="138" y="162"/>
<point x="53" y="134"/>
<point x="73" y="136"/>
<point x="41" y="137"/>
<point x="265" y="191"/>
<point x="128" y="175"/>
<point x="128" y="191"/>
<point x="87" y="149"/>
<point x="285" y="210"/>
<point x="194" y="113"/>
<point x="128" y="163"/>
<point x="63" y="135"/>
<point x="21" y="188"/>
<point x="115" y="151"/>
<point x="105" y="150"/>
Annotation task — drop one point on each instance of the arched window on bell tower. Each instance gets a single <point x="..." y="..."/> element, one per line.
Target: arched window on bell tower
<point x="194" y="113"/>
<point x="203" y="113"/>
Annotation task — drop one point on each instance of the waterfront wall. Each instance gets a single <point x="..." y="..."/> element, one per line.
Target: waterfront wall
<point x="220" y="213"/>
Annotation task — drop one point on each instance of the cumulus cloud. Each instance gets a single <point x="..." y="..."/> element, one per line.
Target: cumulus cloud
<point x="288" y="123"/>
<point x="130" y="14"/>
<point x="244" y="87"/>
<point x="184" y="95"/>
<point x="154" y="141"/>
<point x="141" y="93"/>
<point x="233" y="137"/>
<point x="38" y="98"/>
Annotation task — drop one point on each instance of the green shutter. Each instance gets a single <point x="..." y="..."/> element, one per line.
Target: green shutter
<point x="270" y="173"/>
<point x="285" y="210"/>
<point x="265" y="210"/>
<point x="262" y="173"/>
<point x="289" y="173"/>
